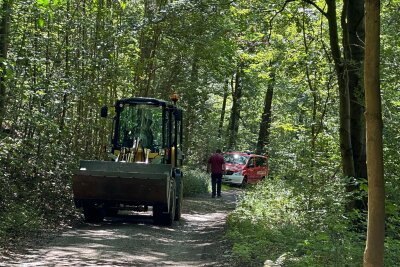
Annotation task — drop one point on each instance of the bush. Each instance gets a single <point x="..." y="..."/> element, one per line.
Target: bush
<point x="195" y="182"/>
<point x="35" y="190"/>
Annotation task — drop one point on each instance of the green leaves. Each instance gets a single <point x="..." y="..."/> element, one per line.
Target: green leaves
<point x="41" y="22"/>
<point x="44" y="3"/>
<point x="48" y="3"/>
<point x="287" y="127"/>
<point x="123" y="4"/>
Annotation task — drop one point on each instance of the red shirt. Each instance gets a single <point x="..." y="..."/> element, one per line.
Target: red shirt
<point x="216" y="161"/>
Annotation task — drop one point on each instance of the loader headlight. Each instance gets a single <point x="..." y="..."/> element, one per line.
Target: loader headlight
<point x="162" y="152"/>
<point x="239" y="173"/>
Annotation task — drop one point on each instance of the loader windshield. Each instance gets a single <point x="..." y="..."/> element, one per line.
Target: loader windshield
<point x="140" y="125"/>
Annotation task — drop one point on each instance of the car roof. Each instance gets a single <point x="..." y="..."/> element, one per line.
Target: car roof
<point x="245" y="154"/>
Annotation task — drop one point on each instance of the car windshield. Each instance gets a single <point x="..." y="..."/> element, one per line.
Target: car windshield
<point x="235" y="159"/>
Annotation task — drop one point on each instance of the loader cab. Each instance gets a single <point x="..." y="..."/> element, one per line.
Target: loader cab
<point x="146" y="130"/>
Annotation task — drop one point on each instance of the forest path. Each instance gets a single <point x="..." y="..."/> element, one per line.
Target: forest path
<point x="196" y="240"/>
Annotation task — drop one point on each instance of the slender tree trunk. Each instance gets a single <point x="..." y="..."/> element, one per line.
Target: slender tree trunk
<point x="222" y="118"/>
<point x="235" y="111"/>
<point x="5" y="14"/>
<point x="193" y="101"/>
<point x="67" y="71"/>
<point x="374" y="250"/>
<point x="313" y="91"/>
<point x="264" y="132"/>
<point x="148" y="44"/>
<point x="82" y="72"/>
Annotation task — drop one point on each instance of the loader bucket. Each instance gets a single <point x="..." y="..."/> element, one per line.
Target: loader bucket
<point x="121" y="182"/>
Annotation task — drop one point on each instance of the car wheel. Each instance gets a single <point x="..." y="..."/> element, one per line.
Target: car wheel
<point x="244" y="182"/>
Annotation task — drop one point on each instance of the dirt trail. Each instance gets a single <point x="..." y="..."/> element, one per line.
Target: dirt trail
<point x="197" y="240"/>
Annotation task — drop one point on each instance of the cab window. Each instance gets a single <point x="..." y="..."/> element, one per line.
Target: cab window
<point x="250" y="163"/>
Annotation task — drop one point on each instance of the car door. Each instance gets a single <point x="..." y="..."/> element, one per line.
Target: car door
<point x="261" y="168"/>
<point x="250" y="170"/>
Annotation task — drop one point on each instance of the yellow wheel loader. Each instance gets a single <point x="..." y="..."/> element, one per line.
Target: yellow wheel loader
<point x="144" y="166"/>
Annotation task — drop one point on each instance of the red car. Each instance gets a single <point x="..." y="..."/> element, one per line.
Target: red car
<point x="244" y="168"/>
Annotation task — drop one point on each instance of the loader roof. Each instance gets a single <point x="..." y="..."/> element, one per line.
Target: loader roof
<point x="142" y="100"/>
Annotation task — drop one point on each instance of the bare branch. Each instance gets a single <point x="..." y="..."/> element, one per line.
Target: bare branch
<point x="316" y="6"/>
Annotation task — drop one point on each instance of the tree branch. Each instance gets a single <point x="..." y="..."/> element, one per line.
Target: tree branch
<point x="276" y="14"/>
<point x="316" y="6"/>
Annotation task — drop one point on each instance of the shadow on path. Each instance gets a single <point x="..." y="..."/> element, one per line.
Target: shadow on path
<point x="196" y="240"/>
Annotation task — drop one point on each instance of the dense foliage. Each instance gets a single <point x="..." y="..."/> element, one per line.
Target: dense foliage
<point x="282" y="221"/>
<point x="196" y="182"/>
<point x="293" y="226"/>
<point x="61" y="60"/>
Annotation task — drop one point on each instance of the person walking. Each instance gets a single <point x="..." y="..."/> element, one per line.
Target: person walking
<point x="216" y="164"/>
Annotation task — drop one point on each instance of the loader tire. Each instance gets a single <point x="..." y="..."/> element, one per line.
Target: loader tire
<point x="178" y="207"/>
<point x="178" y="204"/>
<point x="93" y="214"/>
<point x="161" y="214"/>
<point x="158" y="214"/>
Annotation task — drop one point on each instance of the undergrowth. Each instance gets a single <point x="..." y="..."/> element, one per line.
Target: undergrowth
<point x="35" y="192"/>
<point x="294" y="225"/>
<point x="195" y="182"/>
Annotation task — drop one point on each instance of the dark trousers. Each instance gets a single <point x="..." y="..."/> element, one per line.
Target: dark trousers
<point x="216" y="183"/>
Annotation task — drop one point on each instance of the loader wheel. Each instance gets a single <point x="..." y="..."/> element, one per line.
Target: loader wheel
<point x="161" y="214"/>
<point x="178" y="207"/>
<point x="171" y="214"/>
<point x="178" y="204"/>
<point x="93" y="214"/>
<point x="158" y="214"/>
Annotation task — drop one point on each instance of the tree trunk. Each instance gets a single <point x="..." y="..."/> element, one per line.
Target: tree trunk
<point x="222" y="118"/>
<point x="148" y="45"/>
<point x="313" y="91"/>
<point x="354" y="63"/>
<point x="353" y="46"/>
<point x="5" y="13"/>
<point x="264" y="132"/>
<point x="374" y="250"/>
<point x="67" y="71"/>
<point x="235" y="111"/>
<point x="193" y="102"/>
<point x="344" y="105"/>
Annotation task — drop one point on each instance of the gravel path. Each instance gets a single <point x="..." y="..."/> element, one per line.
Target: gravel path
<point x="196" y="240"/>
